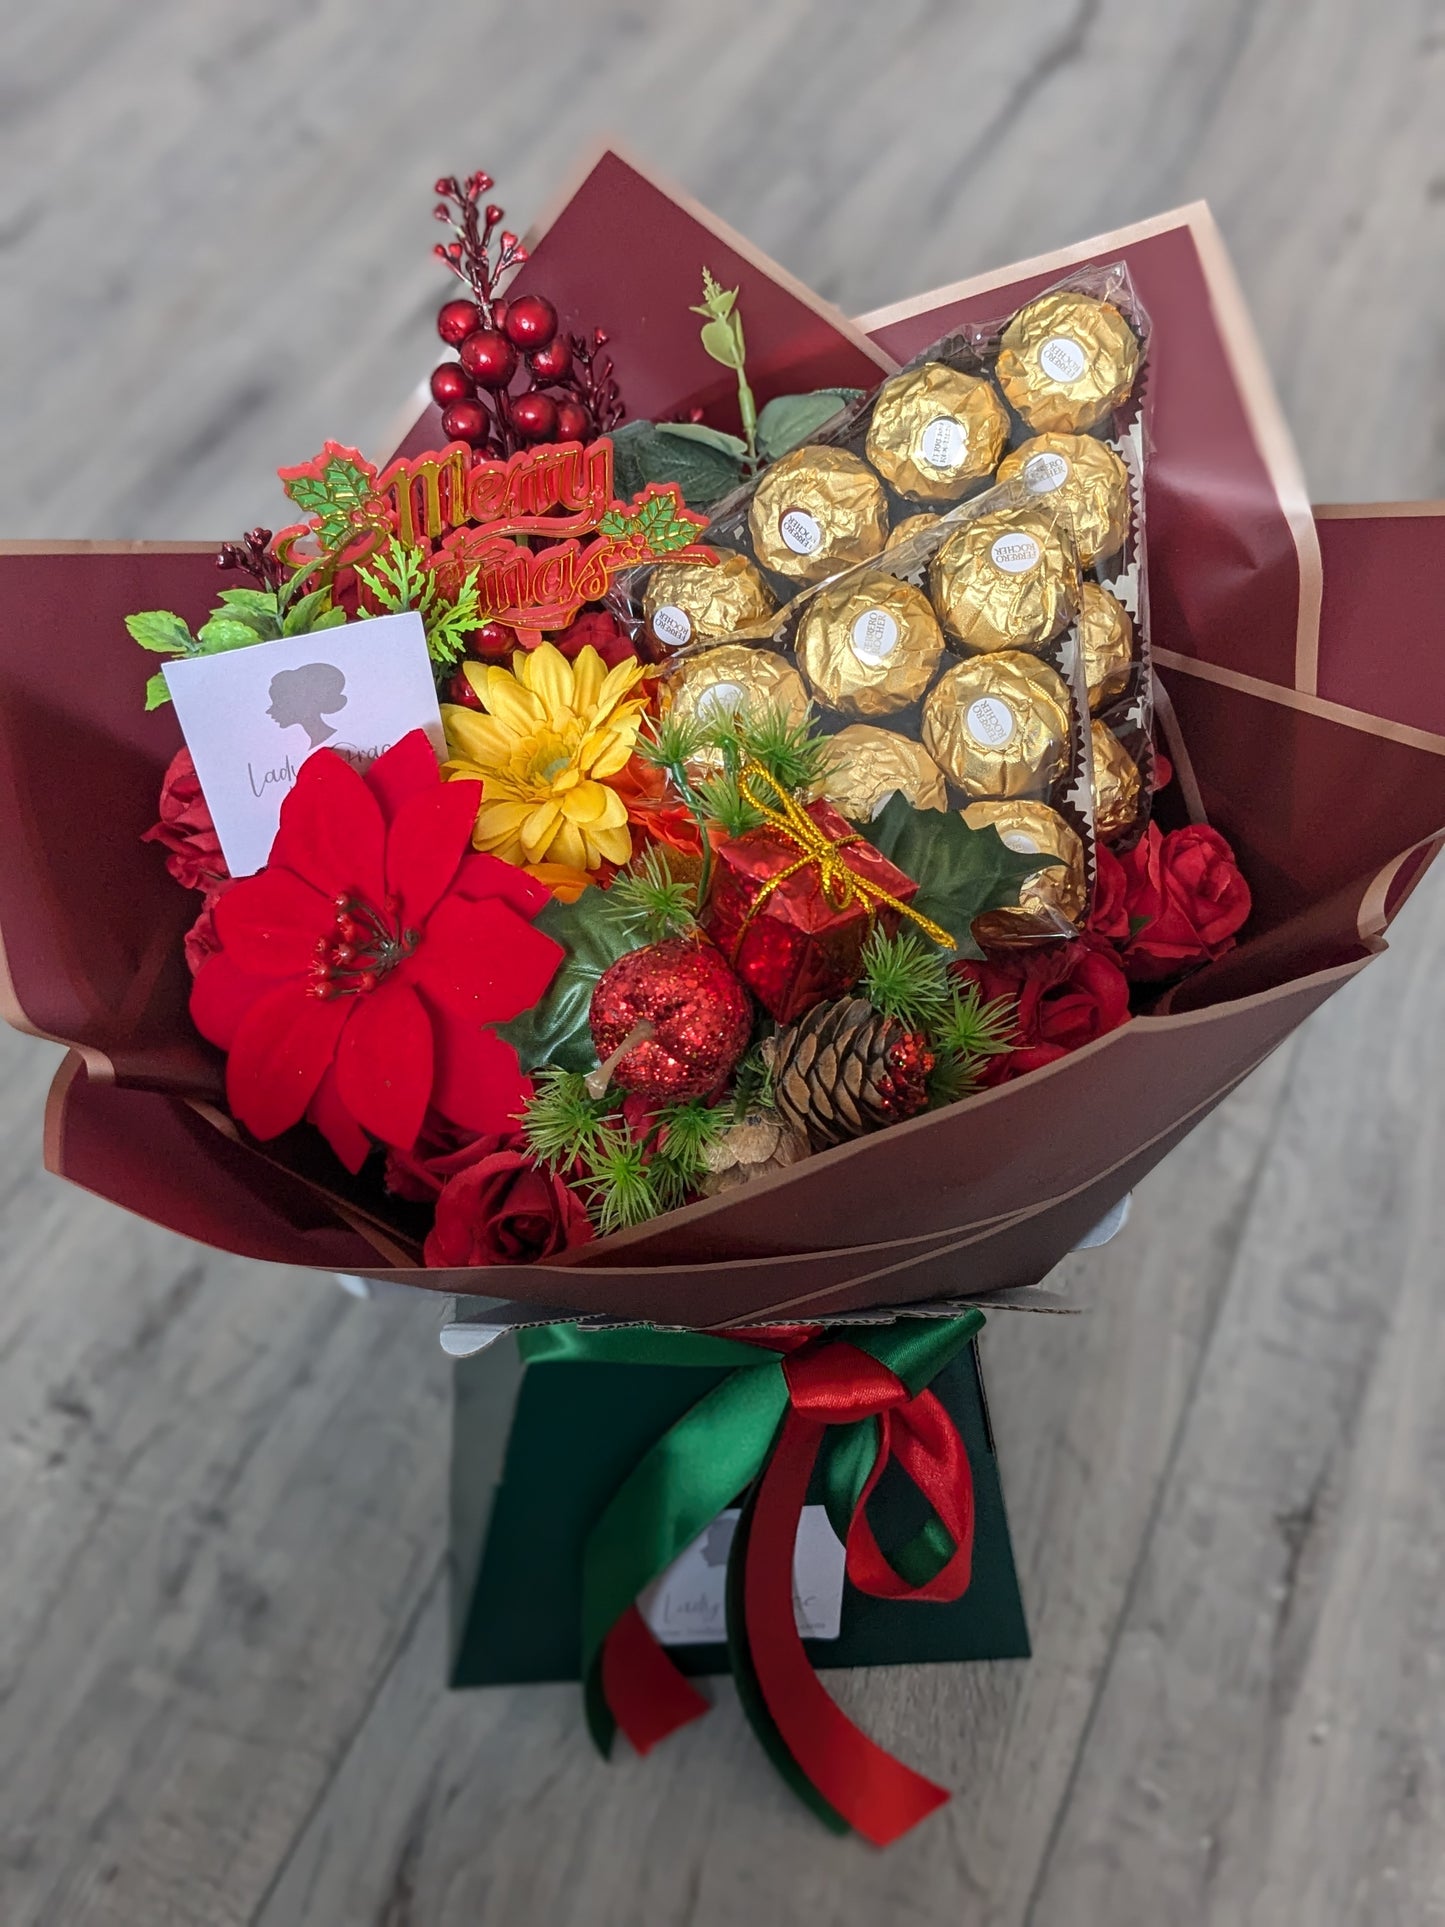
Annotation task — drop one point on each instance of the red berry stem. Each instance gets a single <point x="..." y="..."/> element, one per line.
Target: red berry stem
<point x="253" y="556"/>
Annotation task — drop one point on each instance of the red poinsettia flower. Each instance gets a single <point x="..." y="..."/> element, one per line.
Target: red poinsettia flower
<point x="358" y="972"/>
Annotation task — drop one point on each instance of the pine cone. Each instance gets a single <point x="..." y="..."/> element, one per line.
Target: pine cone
<point x="845" y="1069"/>
<point x="757" y="1143"/>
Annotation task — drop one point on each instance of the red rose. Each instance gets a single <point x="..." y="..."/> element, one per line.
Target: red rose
<point x="441" y="1150"/>
<point x="1066" y="995"/>
<point x="504" y="1208"/>
<point x="1186" y="899"/>
<point x="201" y="941"/>
<point x="186" y="829"/>
<point x="1109" y="917"/>
<point x="605" y="633"/>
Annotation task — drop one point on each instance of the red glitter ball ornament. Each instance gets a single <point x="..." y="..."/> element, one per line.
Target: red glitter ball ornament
<point x="531" y="322"/>
<point x="456" y="320"/>
<point x="677" y="1014"/>
<point x="489" y="358"/>
<point x="534" y="416"/>
<point x="574" y="424"/>
<point x="466" y="421"/>
<point x="450" y="382"/>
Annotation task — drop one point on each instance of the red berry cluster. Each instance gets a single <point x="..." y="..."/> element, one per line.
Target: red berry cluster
<point x="569" y="393"/>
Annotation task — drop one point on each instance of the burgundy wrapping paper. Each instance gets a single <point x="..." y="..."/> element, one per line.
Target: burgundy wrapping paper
<point x="1251" y="612"/>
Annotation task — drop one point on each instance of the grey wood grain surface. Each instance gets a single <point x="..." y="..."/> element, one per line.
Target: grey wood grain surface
<point x="222" y="1515"/>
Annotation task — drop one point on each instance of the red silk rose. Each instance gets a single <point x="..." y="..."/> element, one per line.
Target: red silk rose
<point x="1185" y="900"/>
<point x="603" y="631"/>
<point x="1065" y="996"/>
<point x="186" y="831"/>
<point x="503" y="1208"/>
<point x="1109" y="917"/>
<point x="359" y="972"/>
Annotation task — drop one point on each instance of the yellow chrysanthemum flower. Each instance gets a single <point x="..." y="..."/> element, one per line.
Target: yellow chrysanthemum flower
<point x="552" y="733"/>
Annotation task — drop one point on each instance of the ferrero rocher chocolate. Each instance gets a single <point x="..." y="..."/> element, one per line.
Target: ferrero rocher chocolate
<point x="1116" y="786"/>
<point x="998" y="725"/>
<point x="1066" y="360"/>
<point x="1084" y="481"/>
<point x="1106" y="645"/>
<point x="936" y="431"/>
<point x="869" y="765"/>
<point x="1006" y="580"/>
<point x="910" y="526"/>
<point x="869" y="644"/>
<point x="1050" y="901"/>
<point x="816" y="511"/>
<point x="693" y="602"/>
<point x="716" y="682"/>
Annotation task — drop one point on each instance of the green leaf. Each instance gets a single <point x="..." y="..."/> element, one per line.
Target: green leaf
<point x="960" y="872"/>
<point x="225" y="632"/>
<point x="790" y="420"/>
<point x="628" y="478"/>
<point x="162" y="632"/>
<point x="704" y="472"/>
<point x="595" y="931"/>
<point x="330" y="619"/>
<point x="302" y="616"/>
<point x="156" y="691"/>
<point x="732" y="445"/>
<point x="720" y="340"/>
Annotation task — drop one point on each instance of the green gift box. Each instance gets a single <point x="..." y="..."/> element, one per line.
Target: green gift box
<point x="539" y="1450"/>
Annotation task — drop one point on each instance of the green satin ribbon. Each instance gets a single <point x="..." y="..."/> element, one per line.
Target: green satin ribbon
<point x="715" y="1451"/>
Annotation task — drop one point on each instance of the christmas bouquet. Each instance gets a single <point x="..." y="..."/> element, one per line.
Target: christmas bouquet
<point x="682" y="840"/>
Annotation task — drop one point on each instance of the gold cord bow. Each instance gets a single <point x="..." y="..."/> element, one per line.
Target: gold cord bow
<point x="841" y="885"/>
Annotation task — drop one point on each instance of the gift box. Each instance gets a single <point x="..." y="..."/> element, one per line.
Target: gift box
<point x="538" y="1450"/>
<point x="793" y="903"/>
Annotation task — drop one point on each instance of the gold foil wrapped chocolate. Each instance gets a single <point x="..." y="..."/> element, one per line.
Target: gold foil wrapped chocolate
<point x="714" y="683"/>
<point x="1116" y="786"/>
<point x="1066" y="360"/>
<point x="1106" y="645"/>
<point x="869" y="644"/>
<point x="1006" y="580"/>
<point x="869" y="765"/>
<point x="998" y="725"/>
<point x="1051" y="901"/>
<point x="695" y="602"/>
<point x="935" y="432"/>
<point x="910" y="526"/>
<point x="1083" y="481"/>
<point x="816" y="511"/>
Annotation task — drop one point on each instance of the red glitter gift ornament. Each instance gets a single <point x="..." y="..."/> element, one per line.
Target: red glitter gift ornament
<point x="793" y="902"/>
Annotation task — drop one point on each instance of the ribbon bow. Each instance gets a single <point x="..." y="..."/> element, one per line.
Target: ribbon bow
<point x="840" y="883"/>
<point x="762" y="1428"/>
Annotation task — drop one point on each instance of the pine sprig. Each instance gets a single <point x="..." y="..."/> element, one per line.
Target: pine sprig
<point x="561" y="1122"/>
<point x="621" y="1185"/>
<point x="668" y="742"/>
<point x="685" y="1133"/>
<point x="906" y="977"/>
<point x="399" y="580"/>
<point x="723" y="803"/>
<point x="668" y="904"/>
<point x="794" y="752"/>
<point x="970" y="1033"/>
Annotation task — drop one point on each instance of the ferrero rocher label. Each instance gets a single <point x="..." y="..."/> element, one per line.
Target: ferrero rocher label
<point x="694" y="602"/>
<point x="910" y="526"/>
<point x="1006" y="580"/>
<point x="716" y="683"/>
<point x="1106" y="645"/>
<point x="1066" y="360"/>
<point x="1084" y="481"/>
<point x="1051" y="902"/>
<point x="935" y="432"/>
<point x="816" y="511"/>
<point x="998" y="725"/>
<point x="868" y="765"/>
<point x="1116" y="786"/>
<point x="869" y="644"/>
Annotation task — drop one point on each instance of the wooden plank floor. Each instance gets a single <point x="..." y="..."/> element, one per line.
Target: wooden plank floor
<point x="222" y="1502"/>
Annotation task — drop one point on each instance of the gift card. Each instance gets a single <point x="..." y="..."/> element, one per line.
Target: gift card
<point x="251" y="717"/>
<point x="687" y="1605"/>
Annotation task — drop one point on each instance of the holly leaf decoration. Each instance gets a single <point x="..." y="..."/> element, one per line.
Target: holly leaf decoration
<point x="338" y="491"/>
<point x="960" y="872"/>
<point x="595" y="931"/>
<point x="654" y="525"/>
<point x="647" y="452"/>
<point x="787" y="421"/>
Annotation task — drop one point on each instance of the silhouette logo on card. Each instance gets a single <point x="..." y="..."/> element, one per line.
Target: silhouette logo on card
<point x="303" y="698"/>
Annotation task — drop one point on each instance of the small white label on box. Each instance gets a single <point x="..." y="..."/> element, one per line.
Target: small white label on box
<point x="687" y="1605"/>
<point x="251" y="717"/>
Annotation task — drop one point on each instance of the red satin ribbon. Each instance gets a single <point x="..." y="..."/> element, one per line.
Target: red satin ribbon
<point x="829" y="1383"/>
